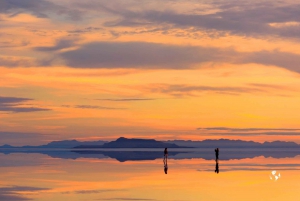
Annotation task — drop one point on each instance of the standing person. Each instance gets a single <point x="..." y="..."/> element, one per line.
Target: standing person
<point x="217" y="153"/>
<point x="166" y="154"/>
<point x="165" y="160"/>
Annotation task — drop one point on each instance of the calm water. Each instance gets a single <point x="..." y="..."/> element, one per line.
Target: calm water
<point x="140" y="175"/>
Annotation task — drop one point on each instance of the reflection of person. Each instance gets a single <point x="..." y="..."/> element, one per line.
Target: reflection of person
<point x="217" y="153"/>
<point x="166" y="167"/>
<point x="217" y="167"/>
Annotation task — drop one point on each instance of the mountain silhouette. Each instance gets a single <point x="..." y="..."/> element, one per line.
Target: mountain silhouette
<point x="64" y="144"/>
<point x="123" y="142"/>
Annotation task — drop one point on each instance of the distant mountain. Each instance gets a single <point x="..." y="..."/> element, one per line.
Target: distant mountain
<point x="151" y="143"/>
<point x="6" y="146"/>
<point x="226" y="143"/>
<point x="133" y="143"/>
<point x="65" y="144"/>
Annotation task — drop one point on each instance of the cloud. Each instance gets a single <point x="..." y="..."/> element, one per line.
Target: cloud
<point x="60" y="44"/>
<point x="236" y="18"/>
<point x="193" y="90"/>
<point x="14" y="104"/>
<point x="247" y="129"/>
<point x="39" y="8"/>
<point x="126" y="99"/>
<point x="84" y="30"/>
<point x="93" y="107"/>
<point x="97" y="107"/>
<point x="226" y="131"/>
<point x="143" y="55"/>
<point x="8" y="61"/>
<point x="13" y="193"/>
<point x="92" y="191"/>
<point x="133" y="55"/>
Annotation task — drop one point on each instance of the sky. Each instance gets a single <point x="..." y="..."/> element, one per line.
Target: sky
<point x="173" y="69"/>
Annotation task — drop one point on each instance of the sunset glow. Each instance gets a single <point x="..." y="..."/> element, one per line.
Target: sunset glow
<point x="91" y="70"/>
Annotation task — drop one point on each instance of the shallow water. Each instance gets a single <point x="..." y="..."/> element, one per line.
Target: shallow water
<point x="190" y="176"/>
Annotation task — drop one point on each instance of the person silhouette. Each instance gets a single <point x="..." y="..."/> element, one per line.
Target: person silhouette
<point x="217" y="167"/>
<point x="217" y="153"/>
<point x="166" y="154"/>
<point x="166" y="160"/>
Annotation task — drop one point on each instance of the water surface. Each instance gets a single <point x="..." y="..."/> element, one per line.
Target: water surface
<point x="127" y="175"/>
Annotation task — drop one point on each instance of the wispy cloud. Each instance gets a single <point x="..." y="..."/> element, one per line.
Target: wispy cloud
<point x="226" y="131"/>
<point x="181" y="90"/>
<point x="15" y="104"/>
<point x="126" y="99"/>
<point x="9" y="61"/>
<point x="93" y="107"/>
<point x="14" y="193"/>
<point x="247" y="129"/>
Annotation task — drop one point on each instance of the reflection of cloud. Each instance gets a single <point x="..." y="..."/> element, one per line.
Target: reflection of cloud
<point x="14" y="193"/>
<point x="14" y="104"/>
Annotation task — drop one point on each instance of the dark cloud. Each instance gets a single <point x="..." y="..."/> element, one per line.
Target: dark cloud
<point x="253" y="19"/>
<point x="39" y="8"/>
<point x="13" y="193"/>
<point x="14" y="104"/>
<point x="11" y="197"/>
<point x="133" y="55"/>
<point x="162" y="56"/>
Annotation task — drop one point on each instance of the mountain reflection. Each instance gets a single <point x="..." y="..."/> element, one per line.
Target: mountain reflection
<point x="150" y="154"/>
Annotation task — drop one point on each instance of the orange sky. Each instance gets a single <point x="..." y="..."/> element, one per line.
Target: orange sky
<point x="103" y="69"/>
